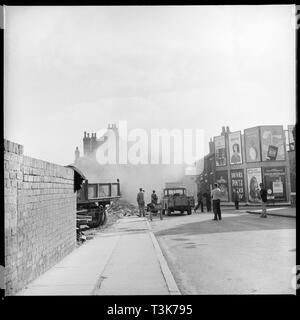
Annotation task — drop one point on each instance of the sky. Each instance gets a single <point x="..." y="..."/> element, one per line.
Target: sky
<point x="75" y="69"/>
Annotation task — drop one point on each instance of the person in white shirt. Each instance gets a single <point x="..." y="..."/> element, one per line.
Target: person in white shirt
<point x="216" y="198"/>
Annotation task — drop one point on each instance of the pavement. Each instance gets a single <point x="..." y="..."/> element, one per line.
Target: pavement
<point x="124" y="259"/>
<point x="288" y="212"/>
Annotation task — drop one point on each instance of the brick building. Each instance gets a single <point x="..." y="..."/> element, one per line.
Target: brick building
<point x="242" y="161"/>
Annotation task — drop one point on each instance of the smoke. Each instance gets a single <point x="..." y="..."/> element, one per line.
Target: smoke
<point x="132" y="177"/>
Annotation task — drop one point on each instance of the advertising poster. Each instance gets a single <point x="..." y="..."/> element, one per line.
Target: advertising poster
<point x="220" y="151"/>
<point x="291" y="137"/>
<point x="252" y="145"/>
<point x="254" y="179"/>
<point x="275" y="182"/>
<point x="272" y="143"/>
<point x="237" y="182"/>
<point x="235" y="148"/>
<point x="222" y="180"/>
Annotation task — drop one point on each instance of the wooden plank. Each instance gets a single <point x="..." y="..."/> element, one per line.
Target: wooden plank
<point x="84" y="219"/>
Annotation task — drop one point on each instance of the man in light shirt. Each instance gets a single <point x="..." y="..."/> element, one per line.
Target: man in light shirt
<point x="216" y="198"/>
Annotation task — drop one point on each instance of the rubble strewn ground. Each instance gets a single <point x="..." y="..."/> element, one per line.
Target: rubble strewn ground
<point x="119" y="208"/>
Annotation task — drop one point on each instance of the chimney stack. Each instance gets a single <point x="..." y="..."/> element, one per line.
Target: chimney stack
<point x="86" y="143"/>
<point x="77" y="154"/>
<point x="211" y="146"/>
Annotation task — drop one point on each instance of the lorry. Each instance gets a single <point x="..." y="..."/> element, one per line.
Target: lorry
<point x="92" y="199"/>
<point x="175" y="198"/>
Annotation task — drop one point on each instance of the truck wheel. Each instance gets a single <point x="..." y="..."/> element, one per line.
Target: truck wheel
<point x="169" y="212"/>
<point x="189" y="211"/>
<point x="97" y="217"/>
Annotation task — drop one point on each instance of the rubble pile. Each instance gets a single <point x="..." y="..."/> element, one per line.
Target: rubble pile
<point x="121" y="208"/>
<point x="117" y="209"/>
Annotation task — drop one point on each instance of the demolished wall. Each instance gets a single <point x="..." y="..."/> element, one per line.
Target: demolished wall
<point x="40" y="216"/>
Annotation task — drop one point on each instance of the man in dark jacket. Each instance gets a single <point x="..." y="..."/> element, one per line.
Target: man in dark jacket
<point x="200" y="201"/>
<point x="236" y="198"/>
<point x="141" y="202"/>
<point x="154" y="198"/>
<point x="207" y="197"/>
<point x="263" y="196"/>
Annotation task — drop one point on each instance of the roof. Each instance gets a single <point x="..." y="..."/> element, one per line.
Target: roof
<point x="77" y="171"/>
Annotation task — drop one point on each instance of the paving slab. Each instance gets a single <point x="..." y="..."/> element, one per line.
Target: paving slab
<point x="124" y="259"/>
<point x="133" y="269"/>
<point x="77" y="273"/>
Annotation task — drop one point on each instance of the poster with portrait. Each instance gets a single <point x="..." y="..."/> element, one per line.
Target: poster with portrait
<point x="275" y="182"/>
<point x="220" y="151"/>
<point x="291" y="138"/>
<point x="222" y="180"/>
<point x="235" y="148"/>
<point x="237" y="182"/>
<point x="252" y="145"/>
<point x="254" y="179"/>
<point x="272" y="143"/>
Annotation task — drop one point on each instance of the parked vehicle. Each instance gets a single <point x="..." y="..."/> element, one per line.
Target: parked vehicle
<point x="175" y="198"/>
<point x="92" y="199"/>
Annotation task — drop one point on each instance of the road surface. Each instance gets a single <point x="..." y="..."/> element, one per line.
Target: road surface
<point x="241" y="254"/>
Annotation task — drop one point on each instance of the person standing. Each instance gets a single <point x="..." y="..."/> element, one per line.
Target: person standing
<point x="200" y="201"/>
<point x="263" y="196"/>
<point x="236" y="198"/>
<point x="207" y="196"/>
<point x="154" y="198"/>
<point x="216" y="197"/>
<point x="141" y="202"/>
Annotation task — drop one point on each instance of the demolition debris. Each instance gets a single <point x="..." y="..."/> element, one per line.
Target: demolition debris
<point x="117" y="209"/>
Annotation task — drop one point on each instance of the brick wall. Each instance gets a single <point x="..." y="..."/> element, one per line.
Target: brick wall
<point x="40" y="216"/>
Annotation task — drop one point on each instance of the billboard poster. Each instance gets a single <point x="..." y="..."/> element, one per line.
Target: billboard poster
<point x="237" y="182"/>
<point x="275" y="182"/>
<point x="220" y="151"/>
<point x="291" y="138"/>
<point x="254" y="179"/>
<point x="235" y="148"/>
<point x="222" y="180"/>
<point x="272" y="143"/>
<point x="252" y="145"/>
